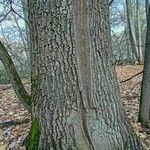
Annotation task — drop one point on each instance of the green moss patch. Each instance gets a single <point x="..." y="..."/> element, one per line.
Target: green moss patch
<point x="32" y="141"/>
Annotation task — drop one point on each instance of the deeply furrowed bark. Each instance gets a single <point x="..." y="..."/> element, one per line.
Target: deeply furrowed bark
<point x="74" y="88"/>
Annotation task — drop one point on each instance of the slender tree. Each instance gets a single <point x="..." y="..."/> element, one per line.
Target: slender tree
<point x="75" y="94"/>
<point x="144" y="113"/>
<point x="138" y="33"/>
<point x="25" y="12"/>
<point x="132" y="36"/>
<point x="12" y="73"/>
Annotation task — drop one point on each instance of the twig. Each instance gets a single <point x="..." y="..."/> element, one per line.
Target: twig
<point x="5" y="16"/>
<point x="19" y="15"/>
<point x="132" y="76"/>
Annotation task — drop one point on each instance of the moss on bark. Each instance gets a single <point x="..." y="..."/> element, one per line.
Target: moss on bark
<point x="32" y="141"/>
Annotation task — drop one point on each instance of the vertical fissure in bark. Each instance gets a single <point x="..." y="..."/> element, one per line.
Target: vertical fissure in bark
<point x="84" y="124"/>
<point x="82" y="46"/>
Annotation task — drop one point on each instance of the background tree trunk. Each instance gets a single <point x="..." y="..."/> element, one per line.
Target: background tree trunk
<point x="74" y="88"/>
<point x="25" y="12"/>
<point x="133" y="42"/>
<point x="144" y="113"/>
<point x="138" y="33"/>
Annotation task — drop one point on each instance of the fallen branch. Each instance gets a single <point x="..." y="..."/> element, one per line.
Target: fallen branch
<point x="8" y="123"/>
<point x="132" y="77"/>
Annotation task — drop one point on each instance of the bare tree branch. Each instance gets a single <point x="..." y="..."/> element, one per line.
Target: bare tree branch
<point x="111" y="2"/>
<point x="19" y="15"/>
<point x="12" y="10"/>
<point x="5" y="16"/>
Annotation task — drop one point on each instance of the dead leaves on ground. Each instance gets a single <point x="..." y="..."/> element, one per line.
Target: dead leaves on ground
<point x="12" y="137"/>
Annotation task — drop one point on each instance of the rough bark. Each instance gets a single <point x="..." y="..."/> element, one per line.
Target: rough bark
<point x="74" y="89"/>
<point x="18" y="87"/>
<point x="144" y="113"/>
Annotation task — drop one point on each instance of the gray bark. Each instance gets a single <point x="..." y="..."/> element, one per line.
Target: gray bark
<point x="144" y="113"/>
<point x="74" y="89"/>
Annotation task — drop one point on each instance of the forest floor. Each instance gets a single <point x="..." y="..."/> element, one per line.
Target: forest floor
<point x="15" y="120"/>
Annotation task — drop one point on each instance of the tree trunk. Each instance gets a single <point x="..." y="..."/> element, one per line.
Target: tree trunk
<point x="74" y="89"/>
<point x="132" y="36"/>
<point x="25" y="12"/>
<point x="144" y="113"/>
<point x="139" y="34"/>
